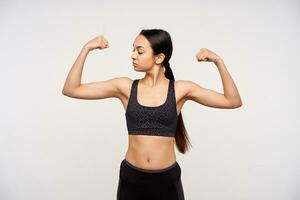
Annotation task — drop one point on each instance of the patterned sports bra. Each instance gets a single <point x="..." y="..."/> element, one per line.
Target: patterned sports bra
<point x="151" y="120"/>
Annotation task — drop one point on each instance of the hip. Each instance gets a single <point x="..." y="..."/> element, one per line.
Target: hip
<point x="134" y="174"/>
<point x="138" y="183"/>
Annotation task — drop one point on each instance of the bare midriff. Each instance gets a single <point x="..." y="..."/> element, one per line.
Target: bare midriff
<point x="151" y="152"/>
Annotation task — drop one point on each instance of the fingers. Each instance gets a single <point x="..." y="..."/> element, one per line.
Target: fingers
<point x="202" y="55"/>
<point x="103" y="42"/>
<point x="202" y="58"/>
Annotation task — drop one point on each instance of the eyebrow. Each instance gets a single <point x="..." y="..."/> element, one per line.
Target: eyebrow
<point x="138" y="46"/>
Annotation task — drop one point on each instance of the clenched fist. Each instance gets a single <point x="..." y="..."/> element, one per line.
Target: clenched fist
<point x="98" y="42"/>
<point x="207" y="55"/>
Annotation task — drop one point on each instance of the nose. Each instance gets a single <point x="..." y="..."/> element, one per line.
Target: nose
<point x="133" y="55"/>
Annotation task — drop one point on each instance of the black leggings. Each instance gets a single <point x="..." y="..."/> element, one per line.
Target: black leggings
<point x="145" y="184"/>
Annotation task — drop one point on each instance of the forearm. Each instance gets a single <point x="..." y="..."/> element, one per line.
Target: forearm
<point x="74" y="77"/>
<point x="229" y="87"/>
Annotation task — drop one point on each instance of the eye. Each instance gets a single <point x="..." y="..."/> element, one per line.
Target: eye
<point x="138" y="52"/>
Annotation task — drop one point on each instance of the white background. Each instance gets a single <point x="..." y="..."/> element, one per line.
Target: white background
<point x="53" y="147"/>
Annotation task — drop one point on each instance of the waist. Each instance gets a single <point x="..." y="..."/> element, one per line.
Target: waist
<point x="151" y="152"/>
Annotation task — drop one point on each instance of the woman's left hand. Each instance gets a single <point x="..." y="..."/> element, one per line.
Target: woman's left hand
<point x="207" y="55"/>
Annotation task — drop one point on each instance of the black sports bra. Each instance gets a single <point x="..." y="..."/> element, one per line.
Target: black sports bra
<point x="151" y="120"/>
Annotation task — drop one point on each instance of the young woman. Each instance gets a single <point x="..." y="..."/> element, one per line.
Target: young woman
<point x="153" y="112"/>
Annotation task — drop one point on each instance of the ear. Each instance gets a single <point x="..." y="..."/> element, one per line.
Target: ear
<point x="159" y="58"/>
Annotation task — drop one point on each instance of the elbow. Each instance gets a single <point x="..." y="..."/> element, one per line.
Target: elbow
<point x="237" y="104"/>
<point x="68" y="91"/>
<point x="65" y="92"/>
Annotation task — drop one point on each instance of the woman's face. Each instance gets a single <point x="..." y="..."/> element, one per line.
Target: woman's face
<point x="142" y="54"/>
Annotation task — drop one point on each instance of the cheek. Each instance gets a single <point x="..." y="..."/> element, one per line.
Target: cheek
<point x="147" y="58"/>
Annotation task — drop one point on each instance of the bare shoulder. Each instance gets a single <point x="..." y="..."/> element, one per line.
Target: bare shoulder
<point x="123" y="84"/>
<point x="184" y="83"/>
<point x="184" y="86"/>
<point x="188" y="89"/>
<point x="122" y="80"/>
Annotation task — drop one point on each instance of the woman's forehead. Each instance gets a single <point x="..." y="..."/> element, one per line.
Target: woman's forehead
<point x="141" y="42"/>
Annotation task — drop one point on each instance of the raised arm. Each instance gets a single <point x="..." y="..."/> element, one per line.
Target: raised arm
<point x="94" y="90"/>
<point x="208" y="97"/>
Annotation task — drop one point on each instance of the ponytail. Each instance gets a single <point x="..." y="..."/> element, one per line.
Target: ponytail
<point x="181" y="136"/>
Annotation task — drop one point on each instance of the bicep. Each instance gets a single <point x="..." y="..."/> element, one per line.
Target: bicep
<point x="206" y="96"/>
<point x="98" y="89"/>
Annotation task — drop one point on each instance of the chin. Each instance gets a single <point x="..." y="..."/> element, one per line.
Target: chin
<point x="138" y="70"/>
<point x="135" y="68"/>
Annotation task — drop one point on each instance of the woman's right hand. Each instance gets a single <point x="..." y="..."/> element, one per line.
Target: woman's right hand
<point x="99" y="42"/>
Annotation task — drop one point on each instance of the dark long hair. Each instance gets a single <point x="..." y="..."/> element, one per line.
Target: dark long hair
<point x="161" y="42"/>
